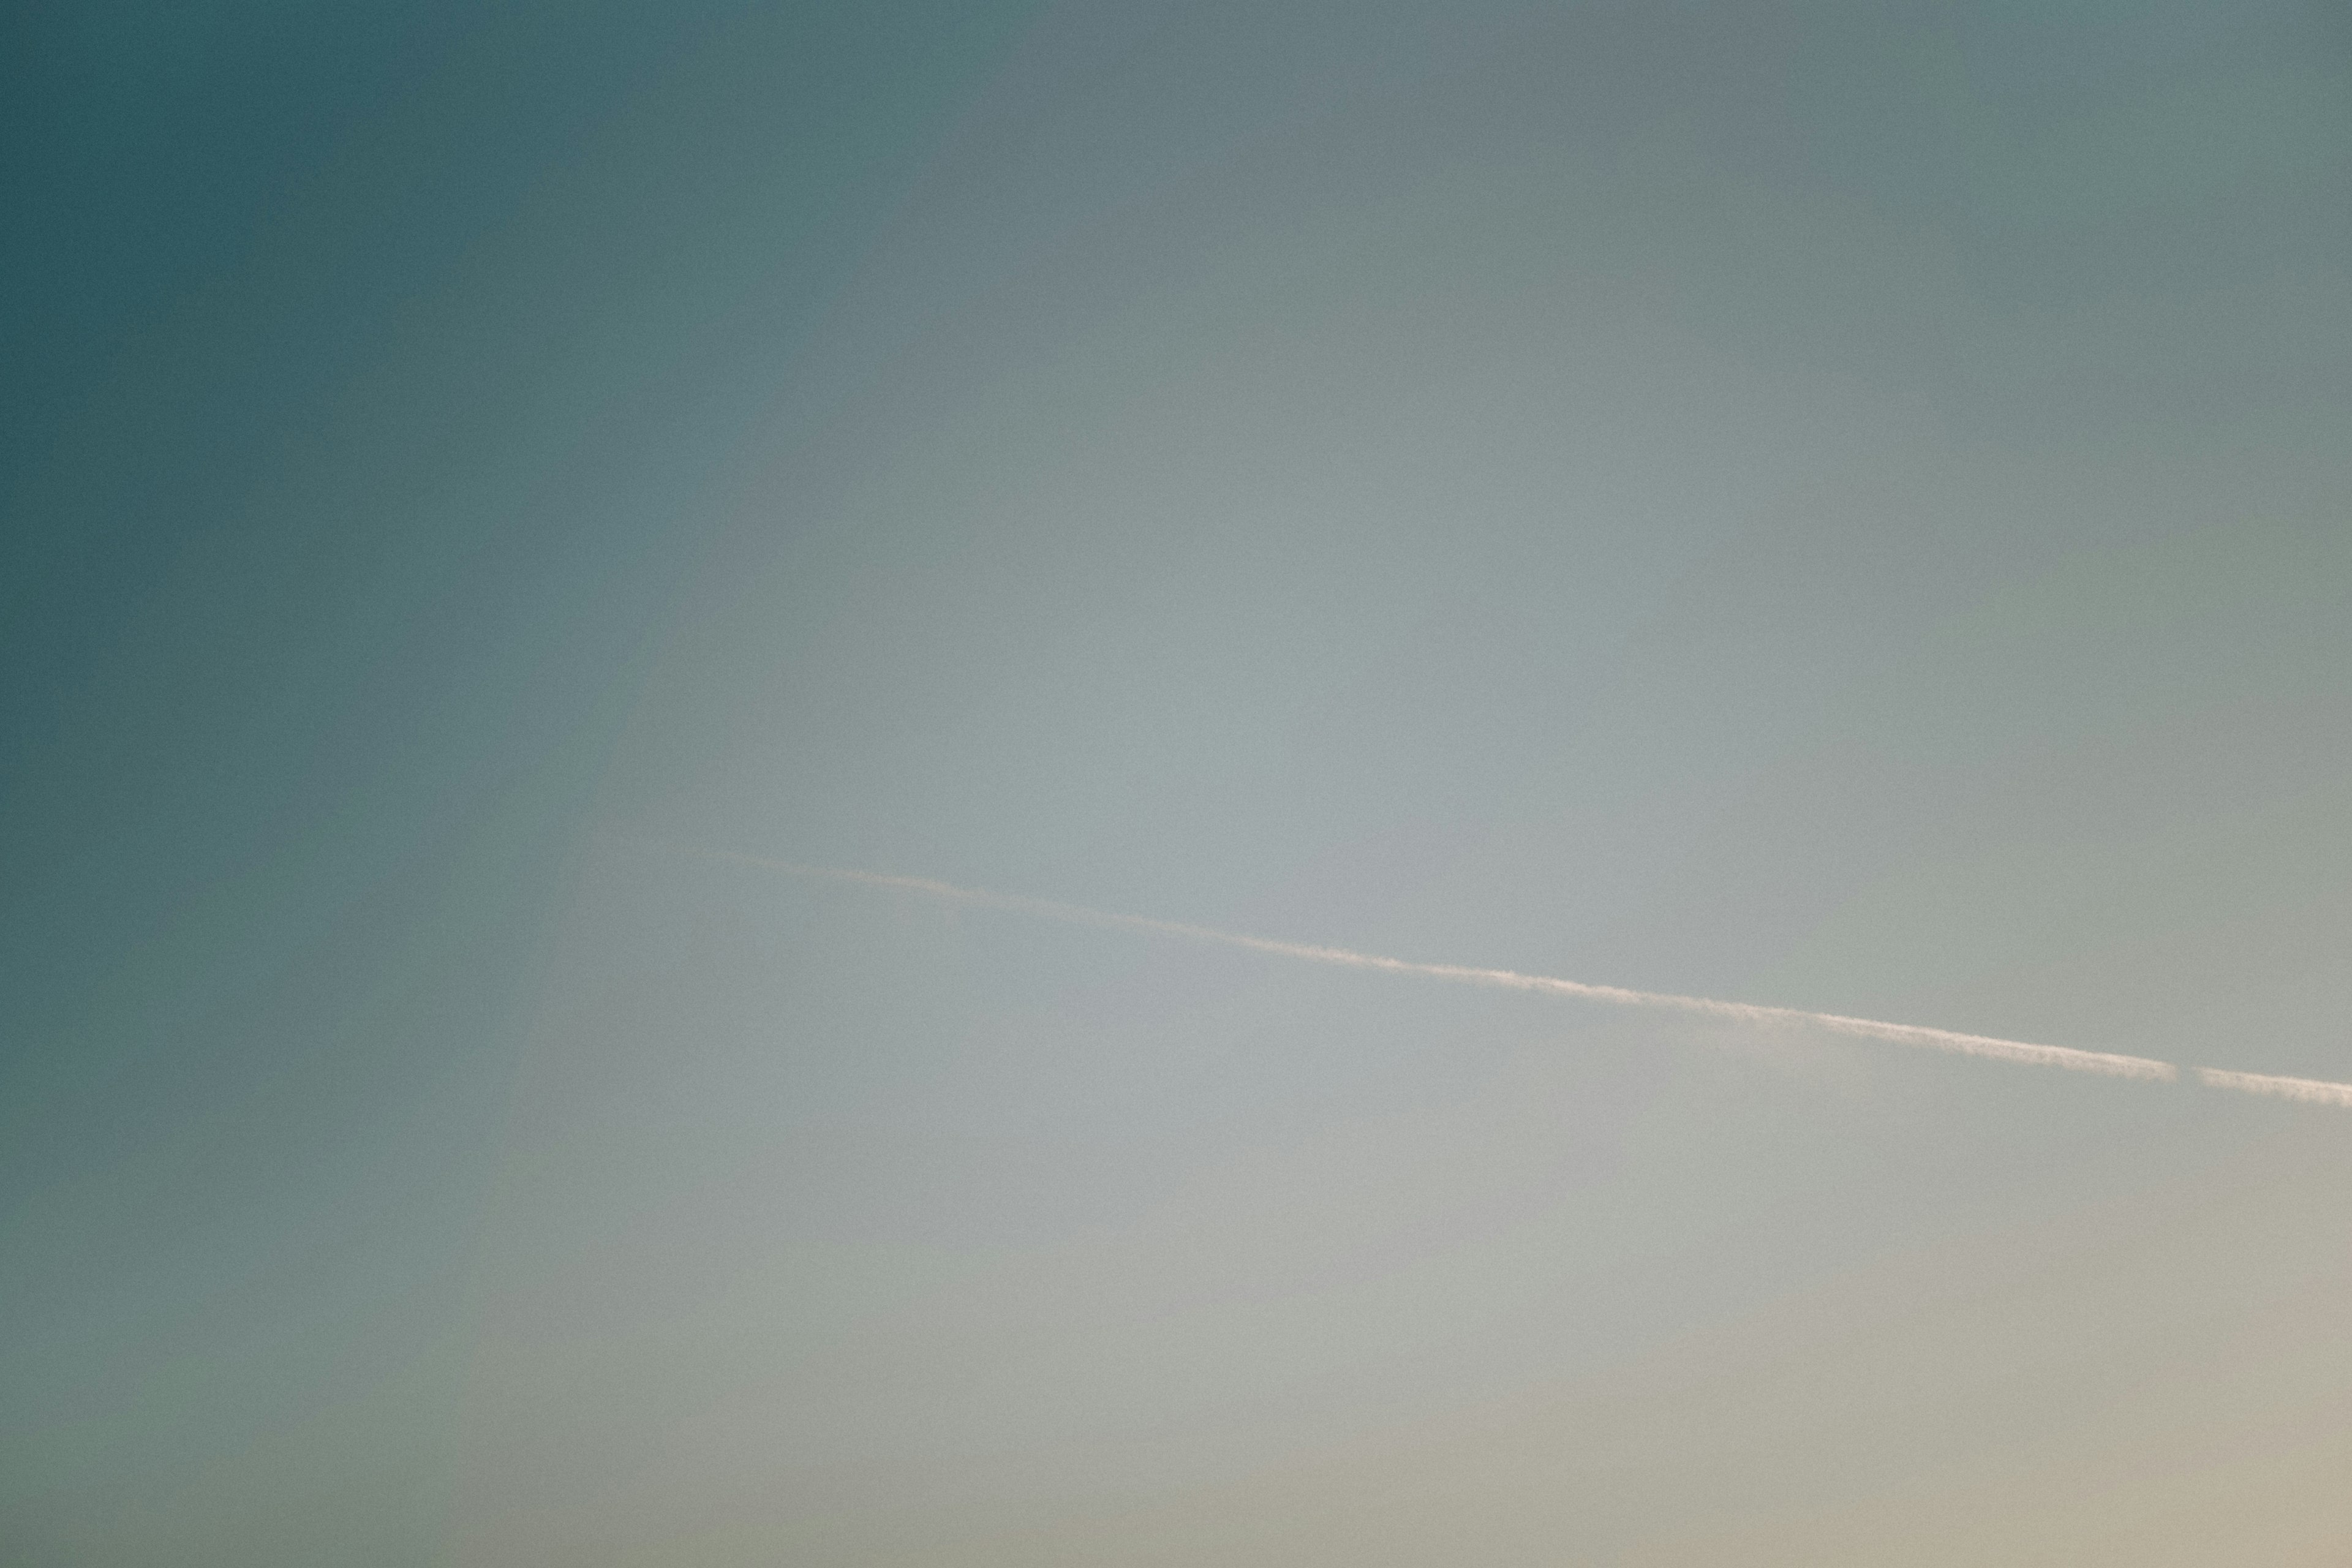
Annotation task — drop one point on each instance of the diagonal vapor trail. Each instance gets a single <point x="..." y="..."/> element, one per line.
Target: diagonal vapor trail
<point x="2312" y="1090"/>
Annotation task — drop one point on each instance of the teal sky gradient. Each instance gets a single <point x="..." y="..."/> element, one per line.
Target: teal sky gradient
<point x="1839" y="505"/>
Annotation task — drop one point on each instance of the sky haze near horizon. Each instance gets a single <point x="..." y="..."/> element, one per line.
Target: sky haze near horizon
<point x="1837" y="506"/>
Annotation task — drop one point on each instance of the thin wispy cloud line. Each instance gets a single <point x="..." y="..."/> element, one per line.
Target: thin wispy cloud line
<point x="2309" y="1090"/>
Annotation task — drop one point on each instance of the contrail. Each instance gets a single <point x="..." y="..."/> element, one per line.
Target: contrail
<point x="2313" y="1091"/>
<point x="2317" y="1091"/>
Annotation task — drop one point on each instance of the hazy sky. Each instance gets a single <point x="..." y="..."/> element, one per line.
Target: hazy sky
<point x="1840" y="506"/>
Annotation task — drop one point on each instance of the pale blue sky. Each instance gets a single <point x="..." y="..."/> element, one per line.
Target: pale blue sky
<point x="1831" y="505"/>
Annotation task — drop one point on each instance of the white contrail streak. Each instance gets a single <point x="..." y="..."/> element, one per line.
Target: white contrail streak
<point x="2310" y="1091"/>
<point x="2317" y="1091"/>
<point x="1510" y="980"/>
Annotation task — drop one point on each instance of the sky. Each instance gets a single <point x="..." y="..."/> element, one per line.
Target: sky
<point x="1838" y="505"/>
